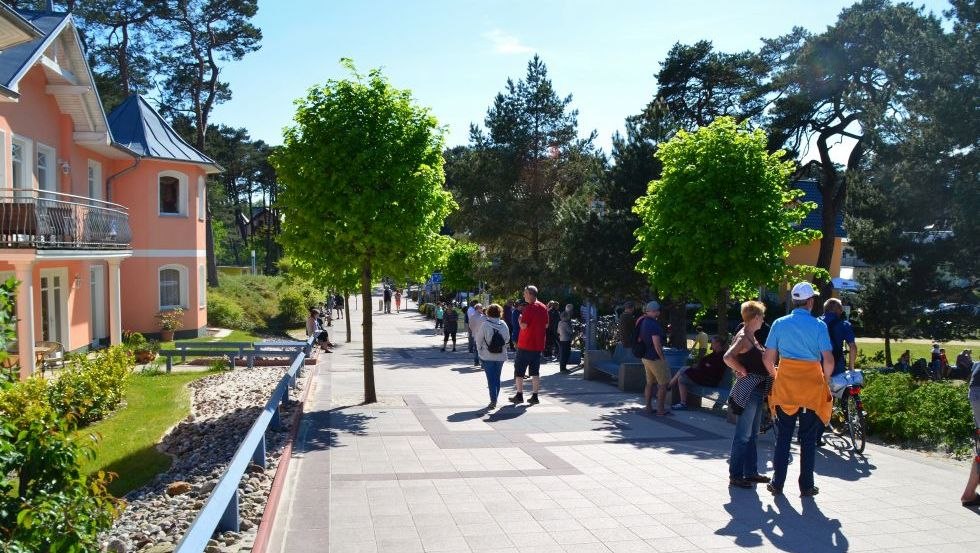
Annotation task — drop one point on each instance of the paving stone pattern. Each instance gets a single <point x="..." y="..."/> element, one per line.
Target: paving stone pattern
<point x="426" y="469"/>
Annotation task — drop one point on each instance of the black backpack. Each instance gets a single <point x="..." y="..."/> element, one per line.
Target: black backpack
<point x="497" y="342"/>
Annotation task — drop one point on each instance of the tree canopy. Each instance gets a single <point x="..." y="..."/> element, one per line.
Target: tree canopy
<point x="721" y="217"/>
<point x="361" y="174"/>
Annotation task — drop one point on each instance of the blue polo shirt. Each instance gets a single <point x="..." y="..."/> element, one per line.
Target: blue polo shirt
<point x="799" y="335"/>
<point x="841" y="332"/>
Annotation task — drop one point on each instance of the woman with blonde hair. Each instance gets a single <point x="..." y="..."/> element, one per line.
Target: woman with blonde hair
<point x="751" y="386"/>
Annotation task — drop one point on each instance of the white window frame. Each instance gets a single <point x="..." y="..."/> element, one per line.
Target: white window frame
<point x="93" y="176"/>
<point x="50" y="170"/>
<point x="202" y="280"/>
<point x="181" y="195"/>
<point x="26" y="170"/>
<point x="182" y="282"/>
<point x="201" y="198"/>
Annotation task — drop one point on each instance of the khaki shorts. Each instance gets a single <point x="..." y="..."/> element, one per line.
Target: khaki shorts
<point x="657" y="371"/>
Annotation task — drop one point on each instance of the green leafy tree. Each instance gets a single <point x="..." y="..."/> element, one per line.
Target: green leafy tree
<point x="717" y="222"/>
<point x="462" y="264"/>
<point x="363" y="166"/>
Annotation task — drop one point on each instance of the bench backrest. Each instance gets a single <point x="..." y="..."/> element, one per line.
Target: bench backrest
<point x="212" y="345"/>
<point x="622" y="355"/>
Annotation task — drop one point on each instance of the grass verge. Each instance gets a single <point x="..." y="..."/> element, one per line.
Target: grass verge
<point x="916" y="349"/>
<point x="128" y="438"/>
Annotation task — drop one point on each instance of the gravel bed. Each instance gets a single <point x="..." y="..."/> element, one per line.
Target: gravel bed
<point x="224" y="406"/>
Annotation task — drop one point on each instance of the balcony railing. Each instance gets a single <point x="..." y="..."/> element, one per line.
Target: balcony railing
<point x="53" y="221"/>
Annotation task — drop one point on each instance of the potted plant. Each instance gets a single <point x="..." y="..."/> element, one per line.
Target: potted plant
<point x="170" y="321"/>
<point x="143" y="350"/>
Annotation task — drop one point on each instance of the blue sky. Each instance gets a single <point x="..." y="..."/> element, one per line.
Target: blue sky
<point x="457" y="55"/>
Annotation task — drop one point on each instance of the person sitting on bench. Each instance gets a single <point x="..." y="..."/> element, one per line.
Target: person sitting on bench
<point x="708" y="372"/>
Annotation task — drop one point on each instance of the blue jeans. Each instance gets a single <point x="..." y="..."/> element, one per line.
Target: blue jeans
<point x="810" y="427"/>
<point x="744" y="459"/>
<point x="492" y="370"/>
<point x="471" y="346"/>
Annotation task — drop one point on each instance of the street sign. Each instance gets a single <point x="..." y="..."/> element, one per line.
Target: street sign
<point x="436" y="278"/>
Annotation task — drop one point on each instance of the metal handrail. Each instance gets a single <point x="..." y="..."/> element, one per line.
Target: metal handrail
<point x="52" y="220"/>
<point x="220" y="513"/>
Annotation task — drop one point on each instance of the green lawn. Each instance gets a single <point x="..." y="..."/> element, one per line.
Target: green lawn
<point x="917" y="349"/>
<point x="128" y="438"/>
<point x="235" y="336"/>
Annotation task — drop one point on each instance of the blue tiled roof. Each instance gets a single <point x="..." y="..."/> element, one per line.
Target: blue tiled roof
<point x="138" y="127"/>
<point x="812" y="221"/>
<point x="13" y="59"/>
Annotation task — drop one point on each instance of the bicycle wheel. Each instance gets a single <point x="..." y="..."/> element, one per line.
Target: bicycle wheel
<point x="855" y="424"/>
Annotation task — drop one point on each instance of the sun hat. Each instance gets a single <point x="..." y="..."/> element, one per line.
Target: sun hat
<point x="804" y="291"/>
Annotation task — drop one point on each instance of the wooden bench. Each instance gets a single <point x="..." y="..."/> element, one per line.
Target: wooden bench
<point x="621" y="365"/>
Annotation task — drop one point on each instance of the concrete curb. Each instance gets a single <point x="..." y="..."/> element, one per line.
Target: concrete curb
<point x="264" y="532"/>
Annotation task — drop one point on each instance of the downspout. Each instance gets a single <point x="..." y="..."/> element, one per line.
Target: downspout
<point x="108" y="181"/>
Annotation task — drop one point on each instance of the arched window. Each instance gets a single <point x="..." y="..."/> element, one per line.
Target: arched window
<point x="172" y="193"/>
<point x="173" y="286"/>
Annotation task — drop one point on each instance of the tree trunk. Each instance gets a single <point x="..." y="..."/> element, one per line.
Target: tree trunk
<point x="677" y="318"/>
<point x="369" y="393"/>
<point x="347" y="313"/>
<point x="888" y="347"/>
<point x="212" y="264"/>
<point x="722" y="307"/>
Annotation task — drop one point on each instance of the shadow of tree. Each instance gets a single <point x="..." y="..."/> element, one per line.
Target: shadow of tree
<point x="328" y="425"/>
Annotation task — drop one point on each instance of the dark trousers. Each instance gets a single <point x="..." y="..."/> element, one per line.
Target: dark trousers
<point x="438" y="323"/>
<point x="564" y="352"/>
<point x="446" y="333"/>
<point x="810" y="427"/>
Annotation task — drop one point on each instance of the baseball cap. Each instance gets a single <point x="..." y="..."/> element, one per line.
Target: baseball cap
<point x="652" y="306"/>
<point x="804" y="291"/>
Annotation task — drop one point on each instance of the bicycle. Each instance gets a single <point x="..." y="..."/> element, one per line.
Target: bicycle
<point x="847" y="417"/>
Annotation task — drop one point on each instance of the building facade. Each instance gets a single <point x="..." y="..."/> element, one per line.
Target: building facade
<point x="101" y="217"/>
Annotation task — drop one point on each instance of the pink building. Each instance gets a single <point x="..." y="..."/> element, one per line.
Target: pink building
<point x="101" y="218"/>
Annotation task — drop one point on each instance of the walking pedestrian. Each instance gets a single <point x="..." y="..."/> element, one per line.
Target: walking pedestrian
<point x="490" y="342"/>
<point x="338" y="305"/>
<point x="439" y="314"/>
<point x="398" y="301"/>
<point x="530" y="343"/>
<point x="474" y="324"/>
<point x="470" y="311"/>
<point x="515" y="323"/>
<point x="751" y="386"/>
<point x="551" y="337"/>
<point x="800" y="345"/>
<point x="654" y="363"/>
<point x="387" y="299"/>
<point x="564" y="342"/>
<point x="701" y="343"/>
<point x="450" y="323"/>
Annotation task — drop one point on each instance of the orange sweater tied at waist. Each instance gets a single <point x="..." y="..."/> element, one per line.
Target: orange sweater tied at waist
<point x="801" y="384"/>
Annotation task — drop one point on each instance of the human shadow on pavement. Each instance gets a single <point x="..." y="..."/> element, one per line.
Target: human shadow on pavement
<point x="507" y="412"/>
<point x="805" y="531"/>
<point x="327" y="426"/>
<point x="464" y="416"/>
<point x="467" y="369"/>
<point x="748" y="518"/>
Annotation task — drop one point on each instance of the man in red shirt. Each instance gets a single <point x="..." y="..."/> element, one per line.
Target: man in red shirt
<point x="530" y="344"/>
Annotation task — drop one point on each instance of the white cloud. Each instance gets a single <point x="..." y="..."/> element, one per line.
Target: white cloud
<point x="504" y="43"/>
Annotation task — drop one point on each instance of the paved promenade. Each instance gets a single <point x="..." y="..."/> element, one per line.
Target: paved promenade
<point x="425" y="469"/>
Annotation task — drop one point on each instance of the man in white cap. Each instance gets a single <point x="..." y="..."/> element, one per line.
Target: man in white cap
<point x="799" y="342"/>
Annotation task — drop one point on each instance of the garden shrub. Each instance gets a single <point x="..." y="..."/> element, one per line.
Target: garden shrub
<point x="55" y="507"/>
<point x="926" y="413"/>
<point x="24" y="401"/>
<point x="89" y="389"/>
<point x="296" y="297"/>
<point x="225" y="312"/>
